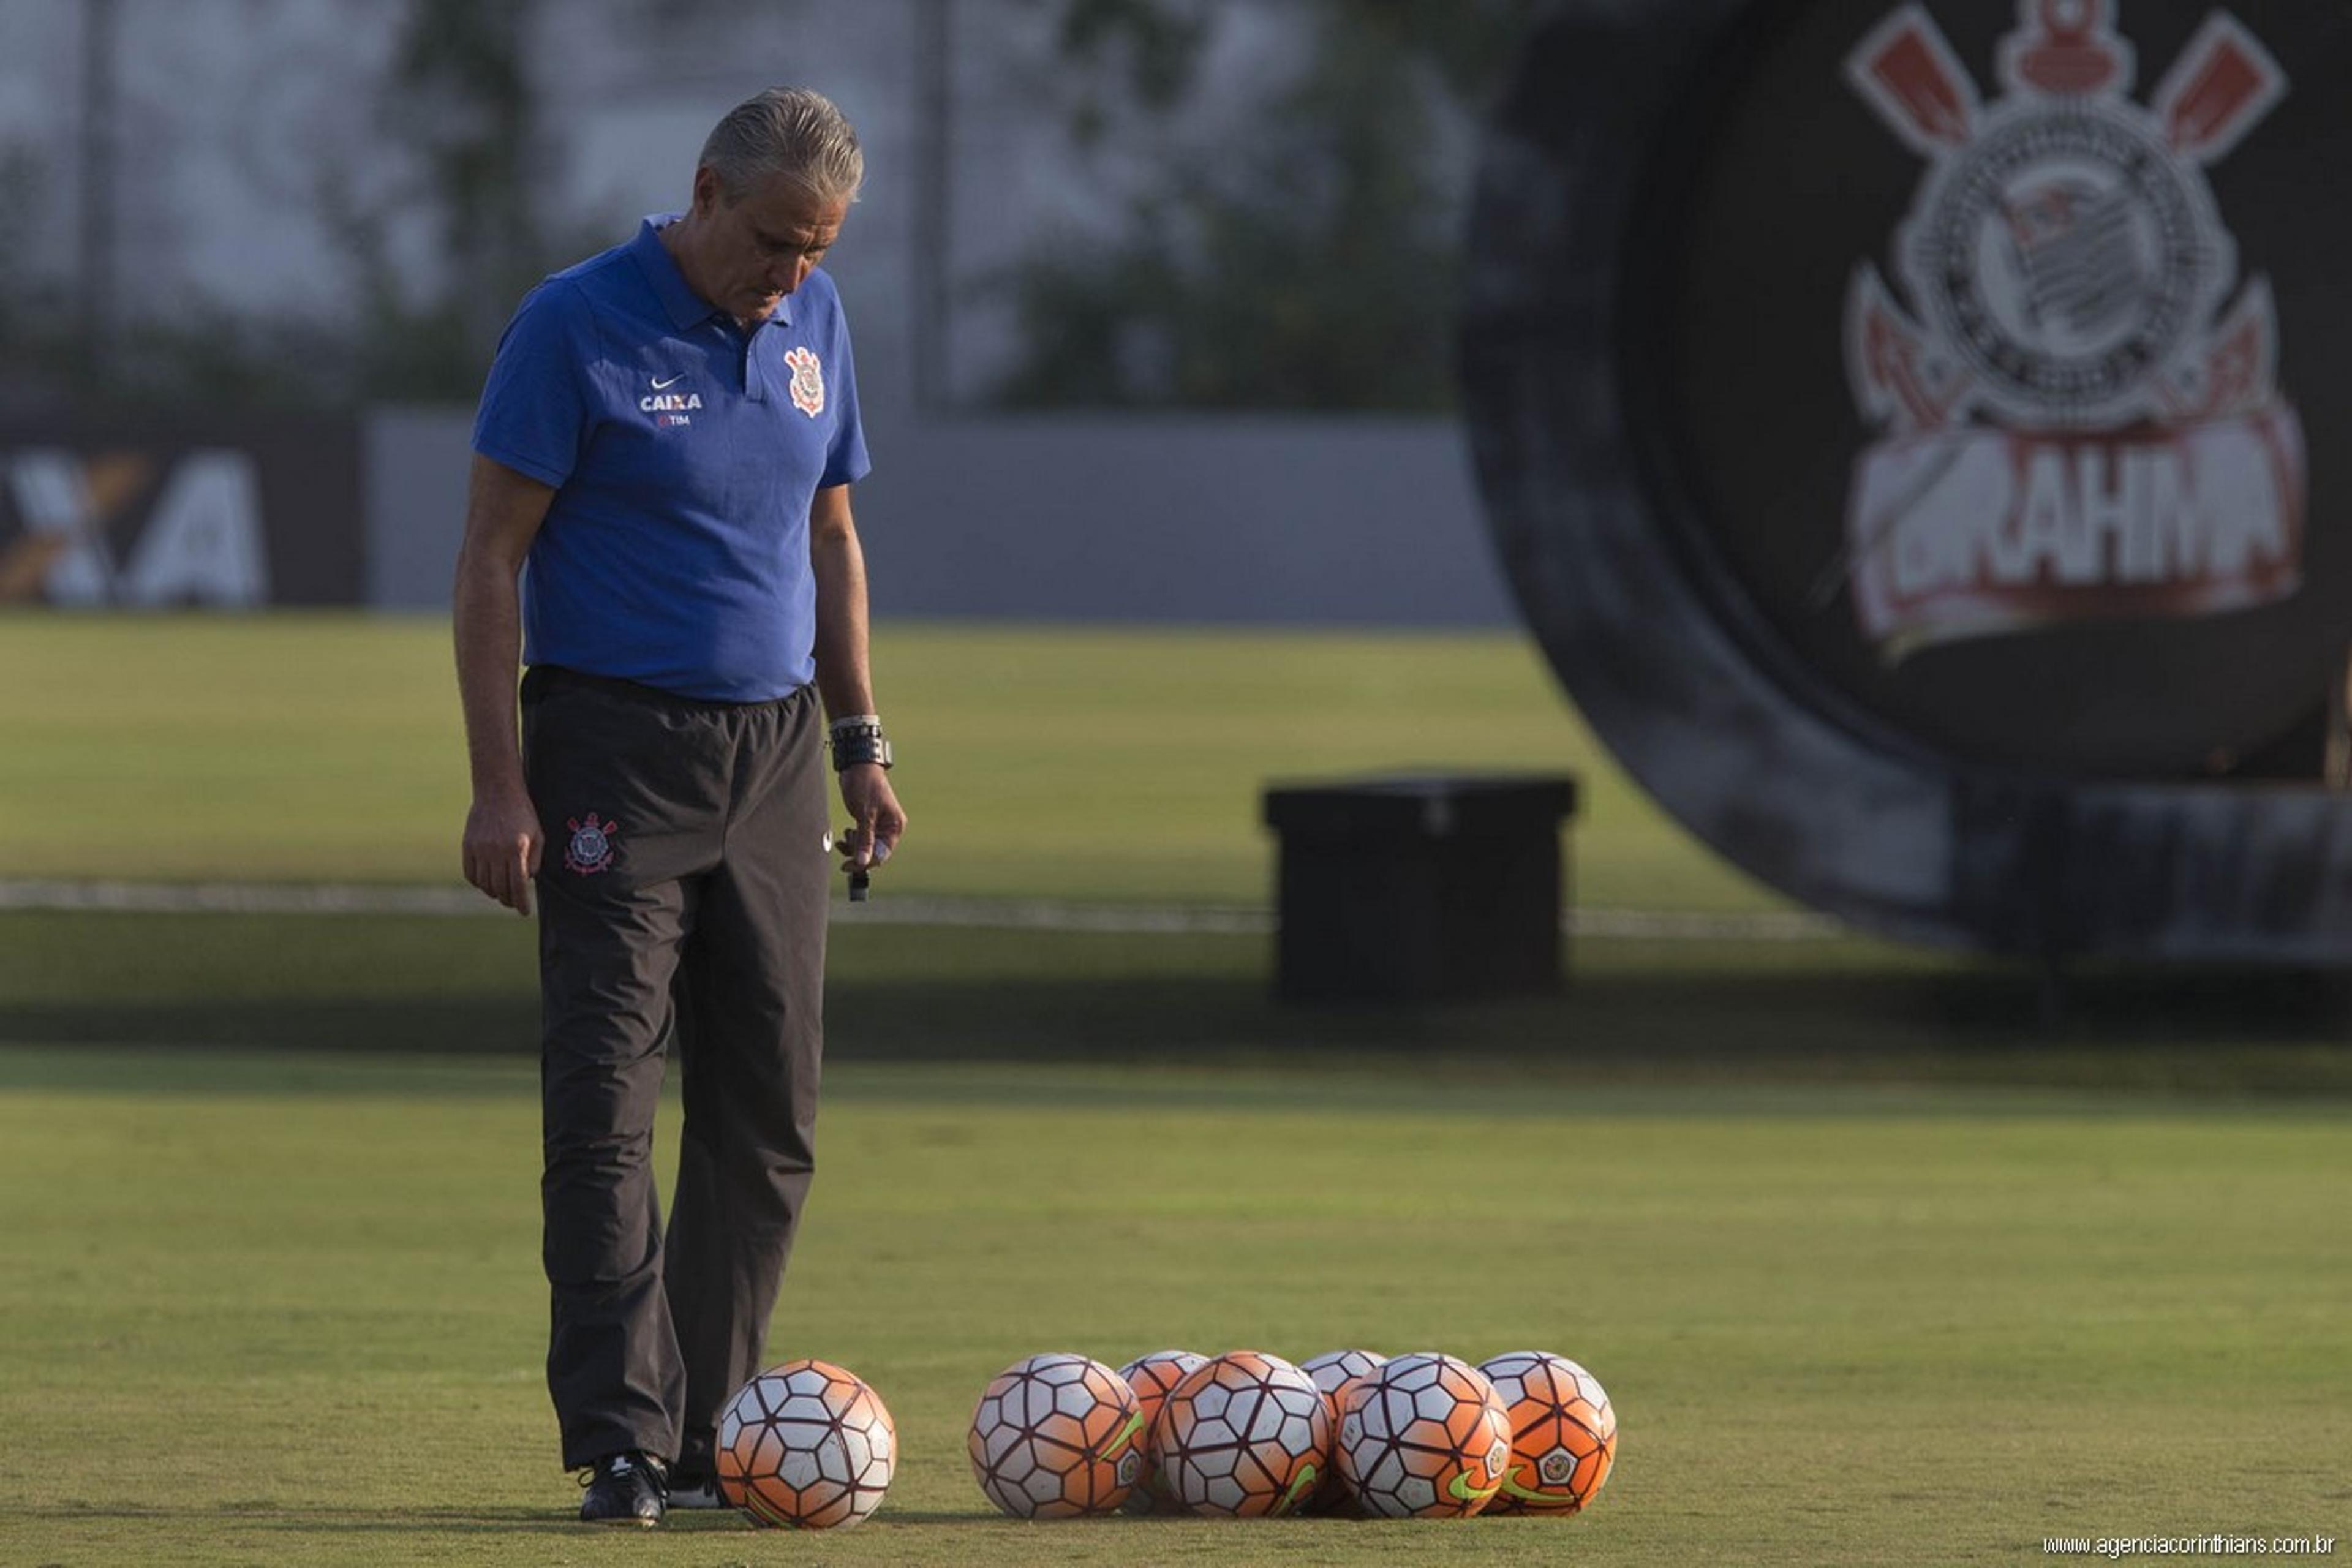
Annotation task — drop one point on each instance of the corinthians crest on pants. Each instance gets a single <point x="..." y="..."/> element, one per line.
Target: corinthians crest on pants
<point x="591" y="848"/>
<point x="2078" y="402"/>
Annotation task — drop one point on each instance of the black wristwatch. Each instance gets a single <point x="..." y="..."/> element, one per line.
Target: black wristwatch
<point x="858" y="740"/>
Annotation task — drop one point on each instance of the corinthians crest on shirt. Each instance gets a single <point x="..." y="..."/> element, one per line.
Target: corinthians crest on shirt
<point x="2076" y="396"/>
<point x="808" y="381"/>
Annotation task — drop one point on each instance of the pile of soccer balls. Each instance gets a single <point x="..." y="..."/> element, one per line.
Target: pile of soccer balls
<point x="1243" y="1434"/>
<point x="1247" y="1435"/>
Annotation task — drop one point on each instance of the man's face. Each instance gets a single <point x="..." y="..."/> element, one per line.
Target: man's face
<point x="761" y="246"/>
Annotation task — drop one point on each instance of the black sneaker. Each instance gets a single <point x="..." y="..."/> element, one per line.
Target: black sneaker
<point x="625" y="1489"/>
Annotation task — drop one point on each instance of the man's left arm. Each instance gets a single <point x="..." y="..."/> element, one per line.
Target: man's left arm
<point x="843" y="677"/>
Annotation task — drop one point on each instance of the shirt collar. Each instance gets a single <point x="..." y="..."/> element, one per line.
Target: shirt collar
<point x="683" y="307"/>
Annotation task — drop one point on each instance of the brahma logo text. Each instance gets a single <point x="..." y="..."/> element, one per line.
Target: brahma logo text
<point x="2077" y="419"/>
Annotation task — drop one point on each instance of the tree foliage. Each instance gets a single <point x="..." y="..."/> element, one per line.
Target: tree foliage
<point x="454" y="151"/>
<point x="460" y="100"/>
<point x="36" y="342"/>
<point x="1307" y="257"/>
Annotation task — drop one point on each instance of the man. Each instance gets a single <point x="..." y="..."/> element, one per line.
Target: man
<point x="668" y="439"/>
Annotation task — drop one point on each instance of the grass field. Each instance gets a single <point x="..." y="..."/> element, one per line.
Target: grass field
<point x="1066" y="764"/>
<point x="285" y="1308"/>
<point x="1879" y="1266"/>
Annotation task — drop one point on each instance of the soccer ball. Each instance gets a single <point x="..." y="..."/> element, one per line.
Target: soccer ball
<point x="1563" y="1433"/>
<point x="806" y="1446"/>
<point x="1245" y="1435"/>
<point x="1332" y="1372"/>
<point x="1334" y="1369"/>
<point x="1056" y="1436"/>
<point x="1424" y="1436"/>
<point x="1152" y="1376"/>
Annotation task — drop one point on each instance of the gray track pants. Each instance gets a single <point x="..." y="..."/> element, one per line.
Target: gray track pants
<point x="682" y="898"/>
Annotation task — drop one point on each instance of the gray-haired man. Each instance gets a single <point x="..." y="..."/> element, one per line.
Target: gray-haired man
<point x="667" y="438"/>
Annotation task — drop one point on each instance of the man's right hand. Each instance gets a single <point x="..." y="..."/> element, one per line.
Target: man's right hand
<point x="503" y="845"/>
<point x="503" y="512"/>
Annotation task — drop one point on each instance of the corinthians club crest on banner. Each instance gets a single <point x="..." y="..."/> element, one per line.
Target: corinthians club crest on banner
<point x="2076" y="395"/>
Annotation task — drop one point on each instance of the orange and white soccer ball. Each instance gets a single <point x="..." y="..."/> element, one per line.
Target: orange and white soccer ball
<point x="806" y="1446"/>
<point x="1056" y="1436"/>
<point x="1563" y="1433"/>
<point x="1424" y="1436"/>
<point x="1245" y="1435"/>
<point x="1152" y="1376"/>
<point x="1333" y="1371"/>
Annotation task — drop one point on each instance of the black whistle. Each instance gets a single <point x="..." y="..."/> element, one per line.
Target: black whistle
<point x="858" y="882"/>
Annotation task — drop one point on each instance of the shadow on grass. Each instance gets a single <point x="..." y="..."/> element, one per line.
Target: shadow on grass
<point x="2236" y="1032"/>
<point x="1633" y="1010"/>
<point x="327" y="1520"/>
<point x="2261" y="1032"/>
<point x="460" y="1025"/>
<point x="331" y="1521"/>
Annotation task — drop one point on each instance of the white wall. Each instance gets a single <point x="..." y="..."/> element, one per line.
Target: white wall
<point x="1284" y="521"/>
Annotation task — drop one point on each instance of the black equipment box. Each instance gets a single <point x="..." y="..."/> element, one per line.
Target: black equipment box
<point x="1419" y="888"/>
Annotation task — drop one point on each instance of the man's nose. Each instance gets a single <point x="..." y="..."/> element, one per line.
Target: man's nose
<point x="787" y="278"/>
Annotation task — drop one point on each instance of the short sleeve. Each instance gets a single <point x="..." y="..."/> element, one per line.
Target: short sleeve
<point x="534" y="413"/>
<point x="845" y="458"/>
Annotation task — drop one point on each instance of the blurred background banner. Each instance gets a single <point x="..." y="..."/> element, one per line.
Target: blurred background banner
<point x="160" y="513"/>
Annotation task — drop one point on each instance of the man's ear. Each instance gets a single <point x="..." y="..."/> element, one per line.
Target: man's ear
<point x="706" y="190"/>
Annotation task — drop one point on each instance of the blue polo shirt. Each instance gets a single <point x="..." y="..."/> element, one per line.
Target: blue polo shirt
<point x="684" y="452"/>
